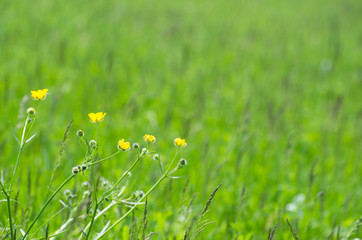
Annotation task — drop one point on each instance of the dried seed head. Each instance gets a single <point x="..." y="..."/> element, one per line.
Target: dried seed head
<point x="31" y="111"/>
<point x="80" y="133"/>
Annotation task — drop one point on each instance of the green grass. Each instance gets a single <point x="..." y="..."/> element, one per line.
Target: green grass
<point x="266" y="93"/>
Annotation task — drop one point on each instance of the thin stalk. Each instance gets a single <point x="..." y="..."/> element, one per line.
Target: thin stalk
<point x="165" y="175"/>
<point x="24" y="137"/>
<point x="49" y="220"/>
<point x="173" y="160"/>
<point x="46" y="204"/>
<point x="123" y="176"/>
<point x="22" y="143"/>
<point x="91" y="223"/>
<point x="9" y="210"/>
<point x="35" y="117"/>
<point x="104" y="159"/>
<point x="114" y="185"/>
<point x="133" y="208"/>
<point x="96" y="217"/>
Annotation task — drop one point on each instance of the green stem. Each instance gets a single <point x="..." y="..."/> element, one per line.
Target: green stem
<point x="91" y="224"/>
<point x="35" y="117"/>
<point x="123" y="176"/>
<point x="16" y="166"/>
<point x="114" y="185"/>
<point x="22" y="143"/>
<point x="134" y="207"/>
<point x="9" y="210"/>
<point x="104" y="159"/>
<point x="165" y="175"/>
<point x="46" y="204"/>
<point x="173" y="160"/>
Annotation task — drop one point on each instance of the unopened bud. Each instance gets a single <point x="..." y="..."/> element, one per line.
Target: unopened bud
<point x="86" y="194"/>
<point x="80" y="133"/>
<point x="28" y="120"/>
<point x="136" y="146"/>
<point x="182" y="163"/>
<point x="85" y="185"/>
<point x="67" y="192"/>
<point x="75" y="170"/>
<point x="31" y="111"/>
<point x="143" y="151"/>
<point x="84" y="167"/>
<point x="138" y="194"/>
<point x="93" y="144"/>
<point x="156" y="157"/>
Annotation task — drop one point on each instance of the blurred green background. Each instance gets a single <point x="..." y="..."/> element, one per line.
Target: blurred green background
<point x="266" y="93"/>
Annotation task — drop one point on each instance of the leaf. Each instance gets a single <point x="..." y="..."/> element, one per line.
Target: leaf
<point x="29" y="139"/>
<point x="11" y="127"/>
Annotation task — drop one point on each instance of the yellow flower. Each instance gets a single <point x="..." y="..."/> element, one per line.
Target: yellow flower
<point x="180" y="142"/>
<point x="149" y="138"/>
<point x="96" y="117"/>
<point x="124" y="146"/>
<point x="39" y="95"/>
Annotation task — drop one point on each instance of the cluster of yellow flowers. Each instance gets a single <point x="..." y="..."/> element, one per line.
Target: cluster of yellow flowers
<point x="99" y="116"/>
<point x="91" y="160"/>
<point x="122" y="144"/>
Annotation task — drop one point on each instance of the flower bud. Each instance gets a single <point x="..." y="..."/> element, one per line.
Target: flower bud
<point x="93" y="144"/>
<point x="138" y="194"/>
<point x="67" y="192"/>
<point x="105" y="184"/>
<point x="156" y="157"/>
<point x="31" y="111"/>
<point x="28" y="120"/>
<point x="85" y="185"/>
<point x="143" y="151"/>
<point x="84" y="167"/>
<point x="86" y="194"/>
<point x="136" y="146"/>
<point x="75" y="170"/>
<point x="182" y="163"/>
<point x="80" y="133"/>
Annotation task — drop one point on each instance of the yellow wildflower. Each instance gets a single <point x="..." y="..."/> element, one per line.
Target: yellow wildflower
<point x="180" y="142"/>
<point x="124" y="146"/>
<point x="149" y="138"/>
<point x="96" y="117"/>
<point x="40" y="94"/>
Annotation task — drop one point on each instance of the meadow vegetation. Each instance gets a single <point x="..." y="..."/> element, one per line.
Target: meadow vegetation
<point x="266" y="94"/>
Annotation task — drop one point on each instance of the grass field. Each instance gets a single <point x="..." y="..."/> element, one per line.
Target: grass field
<point x="267" y="94"/>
